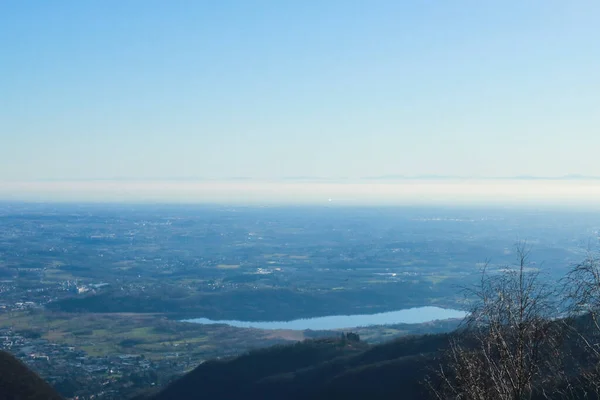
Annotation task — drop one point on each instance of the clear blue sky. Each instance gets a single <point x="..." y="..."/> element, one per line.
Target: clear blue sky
<point x="267" y="89"/>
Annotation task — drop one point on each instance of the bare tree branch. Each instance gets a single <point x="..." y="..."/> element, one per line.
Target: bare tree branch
<point x="509" y="344"/>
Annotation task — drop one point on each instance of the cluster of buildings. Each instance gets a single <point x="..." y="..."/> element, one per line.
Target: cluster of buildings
<point x="77" y="375"/>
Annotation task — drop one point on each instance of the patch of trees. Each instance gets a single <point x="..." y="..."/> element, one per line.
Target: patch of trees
<point x="29" y="333"/>
<point x="130" y="342"/>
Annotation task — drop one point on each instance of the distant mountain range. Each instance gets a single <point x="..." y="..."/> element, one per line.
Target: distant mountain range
<point x="568" y="177"/>
<point x="454" y="177"/>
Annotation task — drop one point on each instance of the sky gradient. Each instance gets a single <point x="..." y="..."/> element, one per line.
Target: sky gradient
<point x="270" y="89"/>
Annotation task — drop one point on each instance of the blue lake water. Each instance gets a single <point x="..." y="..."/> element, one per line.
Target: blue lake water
<point x="409" y="316"/>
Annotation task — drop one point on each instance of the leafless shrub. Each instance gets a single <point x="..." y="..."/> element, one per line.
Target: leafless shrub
<point x="582" y="295"/>
<point x="510" y="345"/>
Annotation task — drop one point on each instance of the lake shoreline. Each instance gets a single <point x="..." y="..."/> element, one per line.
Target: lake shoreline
<point x="416" y="315"/>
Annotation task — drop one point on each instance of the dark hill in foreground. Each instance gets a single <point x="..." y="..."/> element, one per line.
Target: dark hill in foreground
<point x="18" y="382"/>
<point x="316" y="369"/>
<point x="345" y="368"/>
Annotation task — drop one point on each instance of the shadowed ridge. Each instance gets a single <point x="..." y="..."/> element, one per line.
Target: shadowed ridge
<point x="316" y="369"/>
<point x="18" y="382"/>
<point x="390" y="370"/>
<point x="235" y="377"/>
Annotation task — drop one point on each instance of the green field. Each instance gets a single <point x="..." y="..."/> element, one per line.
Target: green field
<point x="152" y="335"/>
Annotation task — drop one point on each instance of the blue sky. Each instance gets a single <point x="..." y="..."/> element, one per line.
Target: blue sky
<point x="269" y="89"/>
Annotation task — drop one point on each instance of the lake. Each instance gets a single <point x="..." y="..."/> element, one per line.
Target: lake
<point x="409" y="316"/>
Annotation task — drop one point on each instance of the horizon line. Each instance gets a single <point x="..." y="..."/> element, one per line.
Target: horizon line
<point x="307" y="178"/>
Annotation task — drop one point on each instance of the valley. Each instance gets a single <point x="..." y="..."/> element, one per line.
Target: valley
<point x="100" y="294"/>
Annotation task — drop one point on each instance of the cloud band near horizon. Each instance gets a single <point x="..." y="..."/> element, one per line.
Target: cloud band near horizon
<point x="416" y="192"/>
